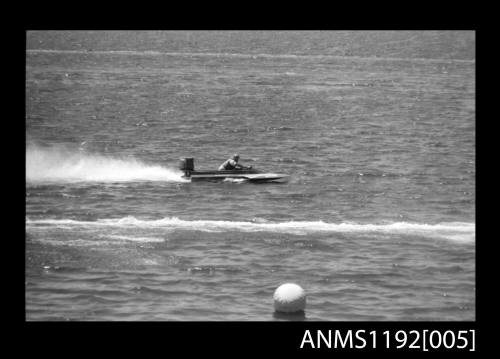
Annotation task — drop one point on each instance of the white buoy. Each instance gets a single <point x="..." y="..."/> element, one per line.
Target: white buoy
<point x="289" y="298"/>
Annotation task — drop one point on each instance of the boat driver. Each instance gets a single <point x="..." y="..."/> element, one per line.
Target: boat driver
<point x="232" y="164"/>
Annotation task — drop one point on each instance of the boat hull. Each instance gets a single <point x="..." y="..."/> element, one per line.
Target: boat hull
<point x="237" y="175"/>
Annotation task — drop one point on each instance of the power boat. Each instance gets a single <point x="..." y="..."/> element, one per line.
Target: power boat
<point x="251" y="175"/>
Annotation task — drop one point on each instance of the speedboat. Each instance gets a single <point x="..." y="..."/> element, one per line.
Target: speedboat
<point x="251" y="175"/>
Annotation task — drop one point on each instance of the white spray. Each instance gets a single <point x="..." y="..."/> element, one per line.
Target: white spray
<point x="60" y="165"/>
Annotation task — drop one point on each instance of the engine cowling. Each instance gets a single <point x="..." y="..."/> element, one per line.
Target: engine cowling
<point x="186" y="164"/>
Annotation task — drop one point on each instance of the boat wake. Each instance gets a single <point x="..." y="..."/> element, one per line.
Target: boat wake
<point x="60" y="165"/>
<point x="457" y="231"/>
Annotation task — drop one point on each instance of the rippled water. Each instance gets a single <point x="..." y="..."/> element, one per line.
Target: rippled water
<point x="377" y="221"/>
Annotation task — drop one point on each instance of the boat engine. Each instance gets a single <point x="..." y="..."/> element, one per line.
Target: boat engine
<point x="186" y="165"/>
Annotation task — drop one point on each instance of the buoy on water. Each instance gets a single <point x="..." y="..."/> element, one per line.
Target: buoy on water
<point x="289" y="298"/>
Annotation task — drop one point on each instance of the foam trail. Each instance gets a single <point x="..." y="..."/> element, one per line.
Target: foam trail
<point x="244" y="55"/>
<point x="134" y="239"/>
<point x="59" y="165"/>
<point x="457" y="231"/>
